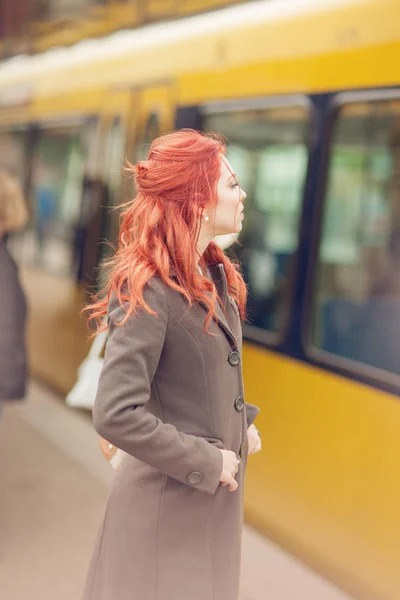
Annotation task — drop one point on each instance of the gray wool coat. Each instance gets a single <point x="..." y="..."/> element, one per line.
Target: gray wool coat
<point x="171" y="396"/>
<point x="13" y="364"/>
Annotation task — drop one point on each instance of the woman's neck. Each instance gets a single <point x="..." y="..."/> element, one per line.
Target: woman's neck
<point x="203" y="242"/>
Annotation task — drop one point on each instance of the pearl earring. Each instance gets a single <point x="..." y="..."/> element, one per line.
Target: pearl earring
<point x="206" y="218"/>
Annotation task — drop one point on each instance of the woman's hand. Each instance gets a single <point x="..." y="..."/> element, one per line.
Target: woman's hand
<point x="230" y="467"/>
<point x="253" y="440"/>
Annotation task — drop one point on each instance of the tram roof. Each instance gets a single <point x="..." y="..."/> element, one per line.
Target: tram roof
<point x="128" y="42"/>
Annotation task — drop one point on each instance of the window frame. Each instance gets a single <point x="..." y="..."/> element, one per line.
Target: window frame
<point x="342" y="365"/>
<point x="252" y="333"/>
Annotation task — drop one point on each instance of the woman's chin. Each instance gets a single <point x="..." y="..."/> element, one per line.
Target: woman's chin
<point x="226" y="240"/>
<point x="229" y="230"/>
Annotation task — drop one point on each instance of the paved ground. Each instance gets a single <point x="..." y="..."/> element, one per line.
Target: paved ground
<point x="52" y="497"/>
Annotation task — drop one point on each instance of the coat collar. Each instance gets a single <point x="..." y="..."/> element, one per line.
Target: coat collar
<point x="218" y="277"/>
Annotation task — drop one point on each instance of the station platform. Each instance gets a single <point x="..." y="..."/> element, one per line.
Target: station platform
<point x="52" y="498"/>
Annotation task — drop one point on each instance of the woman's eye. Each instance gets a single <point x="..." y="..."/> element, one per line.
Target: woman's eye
<point x="235" y="185"/>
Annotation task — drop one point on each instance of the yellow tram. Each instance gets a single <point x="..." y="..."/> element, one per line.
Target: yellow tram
<point x="308" y="94"/>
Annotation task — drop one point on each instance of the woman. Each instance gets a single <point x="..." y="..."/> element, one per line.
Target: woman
<point x="171" y="390"/>
<point x="13" y="369"/>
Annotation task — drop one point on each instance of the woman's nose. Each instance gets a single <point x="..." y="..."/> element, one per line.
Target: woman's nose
<point x="244" y="196"/>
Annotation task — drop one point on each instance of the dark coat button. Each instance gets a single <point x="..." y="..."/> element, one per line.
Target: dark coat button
<point x="239" y="403"/>
<point x="234" y="358"/>
<point x="194" y="478"/>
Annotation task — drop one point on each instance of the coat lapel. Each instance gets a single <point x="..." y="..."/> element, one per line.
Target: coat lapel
<point x="219" y="279"/>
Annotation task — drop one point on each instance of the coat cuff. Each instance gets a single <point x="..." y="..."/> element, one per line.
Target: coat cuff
<point x="251" y="413"/>
<point x="207" y="477"/>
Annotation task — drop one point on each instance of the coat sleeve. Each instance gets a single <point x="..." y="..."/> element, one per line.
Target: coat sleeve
<point x="251" y="413"/>
<point x="13" y="363"/>
<point x="132" y="354"/>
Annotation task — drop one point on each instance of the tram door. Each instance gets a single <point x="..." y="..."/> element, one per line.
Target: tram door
<point x="111" y="159"/>
<point x="153" y="113"/>
<point x="131" y="119"/>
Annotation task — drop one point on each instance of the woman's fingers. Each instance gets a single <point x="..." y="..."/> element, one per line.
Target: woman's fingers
<point x="252" y="444"/>
<point x="254" y="440"/>
<point x="233" y="484"/>
<point x="230" y="466"/>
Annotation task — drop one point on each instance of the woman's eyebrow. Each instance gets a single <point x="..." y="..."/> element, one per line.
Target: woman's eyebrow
<point x="233" y="176"/>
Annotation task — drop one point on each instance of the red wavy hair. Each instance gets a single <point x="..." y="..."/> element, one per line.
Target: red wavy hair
<point x="160" y="227"/>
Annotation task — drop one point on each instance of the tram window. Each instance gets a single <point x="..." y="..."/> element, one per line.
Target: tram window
<point x="145" y="136"/>
<point x="357" y="293"/>
<point x="114" y="164"/>
<point x="268" y="152"/>
<point x="114" y="156"/>
<point x="57" y="188"/>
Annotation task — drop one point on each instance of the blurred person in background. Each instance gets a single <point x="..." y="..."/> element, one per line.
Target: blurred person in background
<point x="89" y="229"/>
<point x="13" y="368"/>
<point x="171" y="391"/>
<point x="45" y="202"/>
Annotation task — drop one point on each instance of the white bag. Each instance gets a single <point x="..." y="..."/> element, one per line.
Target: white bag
<point x="83" y="394"/>
<point x="84" y="391"/>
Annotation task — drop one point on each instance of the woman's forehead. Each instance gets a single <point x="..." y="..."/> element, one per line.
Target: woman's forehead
<point x="226" y="168"/>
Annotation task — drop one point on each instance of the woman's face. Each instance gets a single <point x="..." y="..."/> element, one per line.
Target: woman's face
<point x="227" y="215"/>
